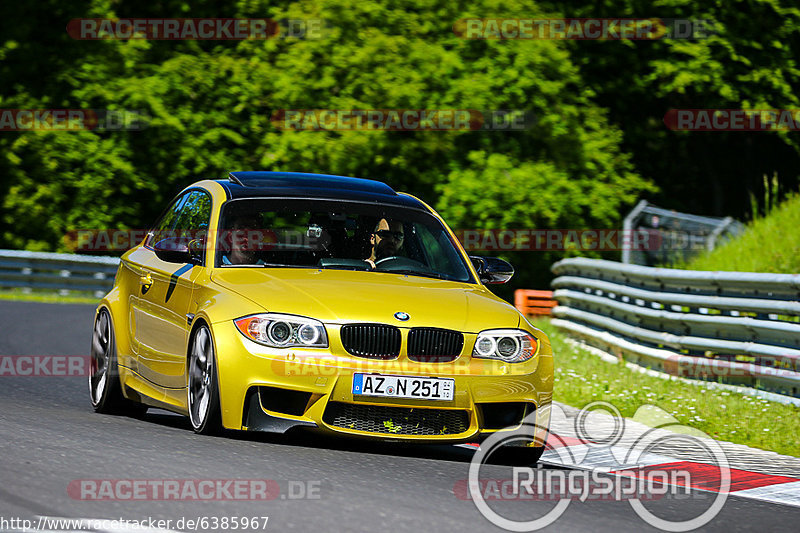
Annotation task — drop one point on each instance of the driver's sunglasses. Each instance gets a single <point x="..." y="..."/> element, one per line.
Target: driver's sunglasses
<point x="385" y="234"/>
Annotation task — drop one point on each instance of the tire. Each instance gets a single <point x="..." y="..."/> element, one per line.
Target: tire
<point x="520" y="455"/>
<point x="202" y="384"/>
<point x="526" y="456"/>
<point x="105" y="390"/>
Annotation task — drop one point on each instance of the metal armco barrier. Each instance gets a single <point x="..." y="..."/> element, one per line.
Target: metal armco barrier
<point x="64" y="273"/>
<point x="732" y="327"/>
<point x="534" y="303"/>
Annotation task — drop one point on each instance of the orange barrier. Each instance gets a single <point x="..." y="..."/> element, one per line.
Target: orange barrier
<point x="534" y="302"/>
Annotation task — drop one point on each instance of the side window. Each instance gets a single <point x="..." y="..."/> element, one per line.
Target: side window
<point x="192" y="222"/>
<point x="434" y="257"/>
<point x="163" y="227"/>
<point x="194" y="215"/>
<point x="439" y="252"/>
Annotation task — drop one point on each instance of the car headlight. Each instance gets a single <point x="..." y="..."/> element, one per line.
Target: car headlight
<point x="283" y="331"/>
<point x="509" y="345"/>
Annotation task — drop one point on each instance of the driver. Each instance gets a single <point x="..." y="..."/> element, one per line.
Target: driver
<point x="244" y="241"/>
<point x="386" y="240"/>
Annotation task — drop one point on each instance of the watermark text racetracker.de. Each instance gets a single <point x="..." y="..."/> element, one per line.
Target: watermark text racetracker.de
<point x="104" y="240"/>
<point x="558" y="239"/>
<point x="72" y="120"/>
<point x="402" y="119"/>
<point x="330" y="365"/>
<point x="211" y="29"/>
<point x="245" y="490"/>
<point x="111" y="240"/>
<point x="44" y="365"/>
<point x="600" y="240"/>
<point x="602" y="29"/>
<point x="733" y="119"/>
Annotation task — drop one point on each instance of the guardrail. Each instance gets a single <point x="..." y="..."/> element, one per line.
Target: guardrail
<point x="65" y="273"/>
<point x="734" y="327"/>
<point x="534" y="303"/>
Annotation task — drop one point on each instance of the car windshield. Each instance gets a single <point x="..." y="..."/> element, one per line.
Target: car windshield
<point x="337" y="235"/>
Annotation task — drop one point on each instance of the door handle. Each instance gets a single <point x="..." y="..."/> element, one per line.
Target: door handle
<point x="146" y="282"/>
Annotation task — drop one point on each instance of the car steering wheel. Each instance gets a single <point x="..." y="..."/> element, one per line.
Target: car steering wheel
<point x="402" y="261"/>
<point x="379" y="261"/>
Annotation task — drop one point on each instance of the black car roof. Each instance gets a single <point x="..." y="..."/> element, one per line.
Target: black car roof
<point x="257" y="184"/>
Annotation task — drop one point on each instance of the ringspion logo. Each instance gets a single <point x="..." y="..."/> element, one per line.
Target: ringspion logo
<point x="194" y="29"/>
<point x="629" y="472"/>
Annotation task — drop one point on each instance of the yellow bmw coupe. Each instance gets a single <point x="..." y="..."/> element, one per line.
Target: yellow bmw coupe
<point x="272" y="301"/>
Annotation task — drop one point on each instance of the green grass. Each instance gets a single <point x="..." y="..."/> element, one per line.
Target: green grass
<point x="581" y="378"/>
<point x="19" y="295"/>
<point x="770" y="244"/>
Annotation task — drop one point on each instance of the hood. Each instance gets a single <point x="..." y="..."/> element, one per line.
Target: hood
<point x="352" y="296"/>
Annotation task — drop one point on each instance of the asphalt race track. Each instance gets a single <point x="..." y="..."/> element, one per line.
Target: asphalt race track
<point x="50" y="437"/>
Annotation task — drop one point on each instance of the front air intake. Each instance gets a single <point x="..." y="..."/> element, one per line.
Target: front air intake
<point x="396" y="420"/>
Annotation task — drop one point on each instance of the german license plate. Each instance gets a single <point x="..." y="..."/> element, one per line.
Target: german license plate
<point x="403" y="387"/>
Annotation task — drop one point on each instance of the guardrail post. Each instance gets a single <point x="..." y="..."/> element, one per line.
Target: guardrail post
<point x="627" y="228"/>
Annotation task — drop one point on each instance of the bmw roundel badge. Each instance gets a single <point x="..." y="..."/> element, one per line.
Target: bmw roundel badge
<point x="401" y="316"/>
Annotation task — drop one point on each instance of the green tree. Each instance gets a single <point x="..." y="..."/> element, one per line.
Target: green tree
<point x="750" y="61"/>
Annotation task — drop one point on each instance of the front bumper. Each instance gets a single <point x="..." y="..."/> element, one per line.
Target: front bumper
<point x="266" y="389"/>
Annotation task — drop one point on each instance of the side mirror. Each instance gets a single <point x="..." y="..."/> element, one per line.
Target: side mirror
<point x="492" y="270"/>
<point x="179" y="250"/>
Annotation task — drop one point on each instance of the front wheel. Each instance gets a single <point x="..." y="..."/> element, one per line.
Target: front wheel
<point x="203" y="388"/>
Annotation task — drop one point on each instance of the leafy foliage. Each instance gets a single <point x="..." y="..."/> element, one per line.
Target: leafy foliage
<point x="598" y="143"/>
<point x="749" y="61"/>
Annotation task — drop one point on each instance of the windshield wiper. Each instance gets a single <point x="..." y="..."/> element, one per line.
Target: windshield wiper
<point x="365" y="268"/>
<point x="284" y="265"/>
<point x="434" y="275"/>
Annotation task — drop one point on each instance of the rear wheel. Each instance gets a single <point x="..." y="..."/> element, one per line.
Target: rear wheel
<point x="105" y="390"/>
<point x="203" y="388"/>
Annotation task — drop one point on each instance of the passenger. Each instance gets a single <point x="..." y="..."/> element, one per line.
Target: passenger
<point x="244" y="241"/>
